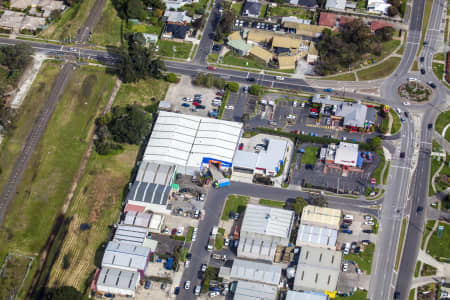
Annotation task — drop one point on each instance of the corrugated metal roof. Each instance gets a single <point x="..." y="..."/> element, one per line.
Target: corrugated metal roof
<point x="321" y="216"/>
<point x="149" y="193"/>
<point x="255" y="271"/>
<point x="293" y="295"/>
<point x="267" y="220"/>
<point x="240" y="45"/>
<point x="117" y="278"/>
<point x="130" y="234"/>
<point x="354" y="114"/>
<point x="270" y="158"/>
<point x="153" y="172"/>
<point x="139" y="219"/>
<point x="257" y="248"/>
<point x="123" y="255"/>
<point x="254" y="291"/>
<point x="320" y="236"/>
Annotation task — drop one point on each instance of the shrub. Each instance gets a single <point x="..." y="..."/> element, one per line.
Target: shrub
<point x="233" y="86"/>
<point x="172" y="78"/>
<point x="255" y="90"/>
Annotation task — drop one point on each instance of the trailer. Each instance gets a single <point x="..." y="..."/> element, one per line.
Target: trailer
<point x="222" y="183"/>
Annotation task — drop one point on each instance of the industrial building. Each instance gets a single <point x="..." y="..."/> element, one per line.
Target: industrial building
<point x="130" y="234"/>
<point x="116" y="281"/>
<point x="252" y="271"/>
<point x="321" y="216"/>
<point x="293" y="295"/>
<point x="267" y="161"/>
<point x="316" y="236"/>
<point x="254" y="291"/>
<point x="126" y="257"/>
<point x="263" y="229"/>
<point x="317" y="270"/>
<point x="153" y="222"/>
<point x="192" y="143"/>
<point x="347" y="155"/>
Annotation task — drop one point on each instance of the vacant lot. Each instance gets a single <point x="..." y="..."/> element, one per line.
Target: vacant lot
<point x="174" y="49"/>
<point x="310" y="156"/>
<point x="243" y="61"/>
<point x="235" y="203"/>
<point x="144" y="92"/>
<point x="284" y="11"/>
<point x="364" y="258"/>
<point x="108" y="31"/>
<point x="381" y="70"/>
<point x="358" y="295"/>
<point x="69" y="23"/>
<point x="50" y="172"/>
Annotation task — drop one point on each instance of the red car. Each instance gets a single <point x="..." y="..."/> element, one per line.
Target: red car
<point x="241" y="146"/>
<point x="174" y="231"/>
<point x="212" y="68"/>
<point x="195" y="103"/>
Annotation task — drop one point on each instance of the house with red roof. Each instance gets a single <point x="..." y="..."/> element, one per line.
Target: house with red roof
<point x="327" y="19"/>
<point x="375" y="25"/>
<point x="344" y="20"/>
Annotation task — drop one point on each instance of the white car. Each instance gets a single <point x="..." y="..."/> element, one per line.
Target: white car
<point x="213" y="294"/>
<point x="368" y="218"/>
<point x="187" y="263"/>
<point x="230" y="107"/>
<point x="406" y="103"/>
<point x="194" y="237"/>
<point x="348" y="217"/>
<point x="227" y="242"/>
<point x="370" y="223"/>
<point x="279" y="77"/>
<point x="187" y="99"/>
<point x="187" y="285"/>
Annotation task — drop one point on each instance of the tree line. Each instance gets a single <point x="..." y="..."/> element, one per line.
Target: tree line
<point x="342" y="49"/>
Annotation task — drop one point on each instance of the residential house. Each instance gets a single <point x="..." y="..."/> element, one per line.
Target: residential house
<point x="150" y="39"/>
<point x="336" y="4"/>
<point x="286" y="42"/>
<point x="305" y="30"/>
<point x="375" y="25"/>
<point x="176" y="4"/>
<point x="305" y="3"/>
<point x="378" y="6"/>
<point x="261" y="54"/>
<point x="176" y="32"/>
<point x="287" y="62"/>
<point x="345" y="20"/>
<point x="240" y="47"/>
<point x="327" y="19"/>
<point x="177" y="17"/>
<point x="251" y="9"/>
<point x="259" y="37"/>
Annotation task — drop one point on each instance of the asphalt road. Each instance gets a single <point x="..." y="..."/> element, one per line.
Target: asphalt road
<point x="33" y="139"/>
<point x="206" y="42"/>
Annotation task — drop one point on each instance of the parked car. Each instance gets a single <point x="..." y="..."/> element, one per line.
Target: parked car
<point x="236" y="243"/>
<point x="164" y="285"/>
<point x="347" y="231"/>
<point x="177" y="290"/>
<point x="251" y="79"/>
<point x="229" y="107"/>
<point x="187" y="285"/>
<point x="369" y="223"/>
<point x="241" y="146"/>
<point x="328" y="90"/>
<point x="213" y="294"/>
<point x="357" y="250"/>
<point x="422" y="71"/>
<point x="430" y="125"/>
<point x="422" y="59"/>
<point x="345" y="267"/>
<point x="365" y="242"/>
<point x="203" y="268"/>
<point x="197" y="290"/>
<point x="430" y="83"/>
<point x="227" y="242"/>
<point x="368" y="231"/>
<point x="201" y="106"/>
<point x="281" y="78"/>
<point x="406" y="103"/>
<point x="212" y="68"/>
<point x="185" y="105"/>
<point x="147" y="284"/>
<point x="402" y="154"/>
<point x="368" y="218"/>
<point x="348" y="217"/>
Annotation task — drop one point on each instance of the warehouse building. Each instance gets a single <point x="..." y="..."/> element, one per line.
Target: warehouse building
<point x="267" y="161"/>
<point x="317" y="270"/>
<point x="293" y="295"/>
<point x="149" y="197"/>
<point x="126" y="257"/>
<point x="254" y="291"/>
<point x="321" y="216"/>
<point x="252" y="271"/>
<point x="153" y="222"/>
<point x="316" y="236"/>
<point x="117" y="282"/>
<point x="130" y="234"/>
<point x="263" y="229"/>
<point x="192" y="143"/>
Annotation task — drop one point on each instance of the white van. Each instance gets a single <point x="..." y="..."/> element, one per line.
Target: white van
<point x="279" y="78"/>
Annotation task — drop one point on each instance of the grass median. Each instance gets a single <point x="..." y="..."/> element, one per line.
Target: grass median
<point x="400" y="243"/>
<point x="381" y="70"/>
<point x="425" y="19"/>
<point x="50" y="172"/>
<point x="358" y="295"/>
<point x="435" y="164"/>
<point x="386" y="173"/>
<point x="344" y="77"/>
<point x="272" y="203"/>
<point x="396" y="123"/>
<point x="443" y="120"/>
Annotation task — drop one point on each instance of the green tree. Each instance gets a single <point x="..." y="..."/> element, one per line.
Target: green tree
<point x="375" y="143"/>
<point x="63" y="293"/>
<point x="225" y="25"/>
<point x="254" y="89"/>
<point x="384" y="34"/>
<point x="130" y="124"/>
<point x="233" y="86"/>
<point x="298" y="205"/>
<point x="171" y="77"/>
<point x="135" y="9"/>
<point x="318" y="200"/>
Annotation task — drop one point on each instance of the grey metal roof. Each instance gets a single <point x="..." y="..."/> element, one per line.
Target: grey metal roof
<point x="293" y="295"/>
<point x="371" y="115"/>
<point x="123" y="255"/>
<point x="271" y="157"/>
<point x="257" y="248"/>
<point x="315" y="235"/>
<point x="140" y="219"/>
<point x="255" y="271"/>
<point x="117" y="278"/>
<point x="149" y="193"/>
<point x="318" y="269"/>
<point x="130" y="234"/>
<point x="245" y="159"/>
<point x="152" y="172"/>
<point x="267" y="220"/>
<point x="354" y="113"/>
<point x="254" y="291"/>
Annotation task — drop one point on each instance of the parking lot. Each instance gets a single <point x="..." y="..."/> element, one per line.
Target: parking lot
<point x="242" y="103"/>
<point x="350" y="276"/>
<point x="185" y="88"/>
<point x="243" y="22"/>
<point x="330" y="178"/>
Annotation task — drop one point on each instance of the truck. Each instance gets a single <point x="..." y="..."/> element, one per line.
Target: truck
<point x="222" y="183"/>
<point x="219" y="257"/>
<point x="214" y="231"/>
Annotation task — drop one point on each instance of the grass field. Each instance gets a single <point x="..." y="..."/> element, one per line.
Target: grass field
<point x="363" y="259"/>
<point x="428" y="227"/>
<point x="69" y="23"/>
<point x="438" y="247"/>
<point x="387" y="48"/>
<point x="396" y="123"/>
<point x="284" y="11"/>
<point x="428" y="270"/>
<point x="32" y="105"/>
<point x="243" y="61"/>
<point x="174" y="49"/>
<point x="386" y="173"/>
<point x="235" y="203"/>
<point x="272" y="203"/>
<point x="439" y="56"/>
<point x="50" y="172"/>
<point x="412" y="294"/>
<point x="425" y="19"/>
<point x="13" y="272"/>
<point x="343" y="77"/>
<point x="358" y="295"/>
<point x="310" y="155"/>
<point x="263" y="10"/>
<point x="442" y="185"/>
<point x="212" y="57"/>
<point x="381" y="70"/>
<point x="438" y="70"/>
<point x="144" y="92"/>
<point x="417" y="269"/>
<point x="402" y="48"/>
<point x="400" y="243"/>
<point x="442" y="120"/>
<point x="237" y="7"/>
<point x="108" y="31"/>
<point x="146" y="28"/>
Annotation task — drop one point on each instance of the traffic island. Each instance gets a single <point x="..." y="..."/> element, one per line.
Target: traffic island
<point x="414" y="90"/>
